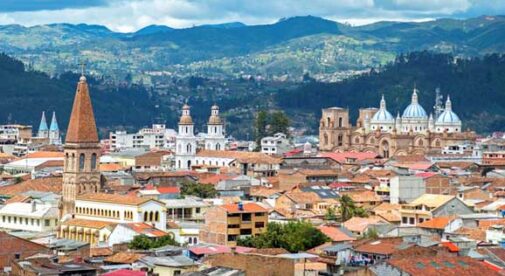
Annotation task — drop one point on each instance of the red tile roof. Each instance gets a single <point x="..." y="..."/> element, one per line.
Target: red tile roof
<point x="247" y="207"/>
<point x="146" y="229"/>
<point x="82" y="126"/>
<point x="442" y="266"/>
<point x="335" y="234"/>
<point x="380" y="247"/>
<point x="169" y="190"/>
<point x="125" y="272"/>
<point x="45" y="154"/>
<point x="48" y="184"/>
<point x="436" y="223"/>
<point x="342" y="157"/>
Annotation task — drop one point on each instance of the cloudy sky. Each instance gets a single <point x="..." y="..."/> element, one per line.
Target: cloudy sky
<point x="130" y="15"/>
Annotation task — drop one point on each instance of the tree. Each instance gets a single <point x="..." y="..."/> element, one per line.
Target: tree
<point x="330" y="214"/>
<point x="260" y="127"/>
<point x="143" y="242"/>
<point x="279" y="122"/>
<point x="293" y="236"/>
<point x="197" y="189"/>
<point x="267" y="124"/>
<point x="348" y="209"/>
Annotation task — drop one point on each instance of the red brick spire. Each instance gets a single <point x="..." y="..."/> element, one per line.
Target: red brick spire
<point x="82" y="126"/>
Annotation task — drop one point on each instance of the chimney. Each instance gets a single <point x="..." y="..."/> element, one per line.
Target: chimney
<point x="34" y="206"/>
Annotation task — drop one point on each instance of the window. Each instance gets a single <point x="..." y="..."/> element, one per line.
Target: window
<point x="259" y="214"/>
<point x="246" y="217"/>
<point x="340" y="122"/>
<point x="47" y="222"/>
<point x="93" y="161"/>
<point x="404" y="220"/>
<point x="17" y="256"/>
<point x="412" y="221"/>
<point x="259" y="224"/>
<point x="233" y="226"/>
<point x="177" y="272"/>
<point x="81" y="161"/>
<point x="232" y="237"/>
<point x="197" y="210"/>
<point x="245" y="231"/>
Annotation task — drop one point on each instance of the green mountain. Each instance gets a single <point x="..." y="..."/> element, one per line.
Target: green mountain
<point x="288" y="47"/>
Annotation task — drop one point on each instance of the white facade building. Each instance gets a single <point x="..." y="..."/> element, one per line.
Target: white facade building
<point x="33" y="216"/>
<point x="275" y="145"/>
<point x="406" y="189"/>
<point x="156" y="137"/>
<point x="215" y="139"/>
<point x="185" y="150"/>
<point x="121" y="209"/>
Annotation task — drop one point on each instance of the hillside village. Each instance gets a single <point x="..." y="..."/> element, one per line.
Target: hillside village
<point x="411" y="195"/>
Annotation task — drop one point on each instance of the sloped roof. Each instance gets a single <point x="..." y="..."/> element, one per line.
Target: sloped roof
<point x="442" y="266"/>
<point x="342" y="157"/>
<point x="241" y="156"/>
<point x="48" y="184"/>
<point x="357" y="224"/>
<point x="335" y="234"/>
<point x="82" y="126"/>
<point x="144" y="228"/>
<point x="247" y="207"/>
<point x="96" y="224"/>
<point x="431" y="200"/>
<point x="437" y="223"/>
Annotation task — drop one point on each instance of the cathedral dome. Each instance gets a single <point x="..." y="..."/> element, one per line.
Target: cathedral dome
<point x="414" y="110"/>
<point x="186" y="117"/>
<point x="383" y="114"/>
<point x="448" y="116"/>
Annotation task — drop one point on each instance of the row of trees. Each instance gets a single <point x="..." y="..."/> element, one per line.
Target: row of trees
<point x="143" y="242"/>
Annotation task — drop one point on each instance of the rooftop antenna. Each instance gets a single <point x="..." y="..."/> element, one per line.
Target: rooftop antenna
<point x="438" y="108"/>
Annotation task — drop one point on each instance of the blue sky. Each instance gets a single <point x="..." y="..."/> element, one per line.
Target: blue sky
<point x="130" y="15"/>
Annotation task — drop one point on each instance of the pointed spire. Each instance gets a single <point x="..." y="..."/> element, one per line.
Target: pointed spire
<point x="415" y="99"/>
<point x="54" y="123"/>
<point x="82" y="126"/>
<point x="43" y="122"/>
<point x="383" y="103"/>
<point x="448" y="104"/>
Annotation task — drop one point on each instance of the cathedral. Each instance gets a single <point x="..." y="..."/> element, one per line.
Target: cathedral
<point x="186" y="141"/>
<point x="52" y="133"/>
<point x="377" y="130"/>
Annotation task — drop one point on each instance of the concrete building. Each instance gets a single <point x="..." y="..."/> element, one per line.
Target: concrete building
<point x="156" y="137"/>
<point x="405" y="189"/>
<point x="32" y="216"/>
<point x="225" y="224"/>
<point x="276" y="145"/>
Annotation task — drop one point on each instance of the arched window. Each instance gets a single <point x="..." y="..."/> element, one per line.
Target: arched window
<point x="188" y="148"/>
<point x="93" y="161"/>
<point x="340" y="120"/>
<point x="81" y="161"/>
<point x="157" y="216"/>
<point x="215" y="129"/>
<point x="145" y="216"/>
<point x="328" y="121"/>
<point x="179" y="164"/>
<point x="151" y="216"/>
<point x="325" y="138"/>
<point x="66" y="160"/>
<point x="218" y="146"/>
<point x="189" y="164"/>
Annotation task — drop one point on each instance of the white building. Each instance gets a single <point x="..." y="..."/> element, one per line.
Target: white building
<point x="276" y="145"/>
<point x="121" y="209"/>
<point x="406" y="189"/>
<point x="156" y="137"/>
<point x="33" y="216"/>
<point x="185" y="150"/>
<point x="215" y="139"/>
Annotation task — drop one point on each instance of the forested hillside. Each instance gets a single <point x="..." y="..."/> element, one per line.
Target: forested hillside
<point x="476" y="87"/>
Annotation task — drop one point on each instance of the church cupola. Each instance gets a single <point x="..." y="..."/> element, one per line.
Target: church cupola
<point x="43" y="129"/>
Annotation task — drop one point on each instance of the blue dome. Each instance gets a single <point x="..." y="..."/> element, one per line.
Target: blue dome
<point x="414" y="110"/>
<point x="448" y="117"/>
<point x="382" y="116"/>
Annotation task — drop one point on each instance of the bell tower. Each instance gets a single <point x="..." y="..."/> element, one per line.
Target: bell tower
<point x="82" y="151"/>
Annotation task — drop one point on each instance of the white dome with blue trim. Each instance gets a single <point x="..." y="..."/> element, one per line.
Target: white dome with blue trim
<point x="448" y="116"/>
<point x="414" y="110"/>
<point x="383" y="114"/>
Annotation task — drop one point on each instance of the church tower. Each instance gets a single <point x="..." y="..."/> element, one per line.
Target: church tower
<point x="43" y="130"/>
<point x="82" y="151"/>
<point x="215" y="139"/>
<point x="185" y="141"/>
<point x="54" y="131"/>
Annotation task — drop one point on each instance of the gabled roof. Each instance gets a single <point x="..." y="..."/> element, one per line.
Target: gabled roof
<point x="442" y="266"/>
<point x="82" y="126"/>
<point x="48" y="184"/>
<point x="431" y="200"/>
<point x="336" y="234"/>
<point x="437" y="223"/>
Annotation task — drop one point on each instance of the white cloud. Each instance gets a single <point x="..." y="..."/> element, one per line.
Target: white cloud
<point x="130" y="15"/>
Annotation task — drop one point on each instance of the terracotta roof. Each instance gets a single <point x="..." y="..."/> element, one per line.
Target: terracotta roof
<point x="472" y="233"/>
<point x="247" y="207"/>
<point x="386" y="246"/>
<point x="113" y="198"/>
<point x="425" y="175"/>
<point x="389" y="212"/>
<point x="357" y="224"/>
<point x="442" y="266"/>
<point x="111" y="167"/>
<point x="486" y="223"/>
<point x="437" y="223"/>
<point x="421" y="166"/>
<point x="125" y="272"/>
<point x="335" y="234"/>
<point x="462" y="165"/>
<point x="241" y="156"/>
<point x="410" y="158"/>
<point x="18" y="198"/>
<point x="303" y="197"/>
<point x="45" y="154"/>
<point x="431" y="200"/>
<point x="50" y="164"/>
<point x="100" y="251"/>
<point x="261" y="191"/>
<point x="269" y="251"/>
<point x="82" y="126"/>
<point x="313" y="172"/>
<point x="95" y="224"/>
<point x="363" y="196"/>
<point x="214" y="178"/>
<point x="48" y="184"/>
<point x="169" y="190"/>
<point x="124" y="258"/>
<point x="12" y="244"/>
<point x="342" y="157"/>
<point x="380" y="173"/>
<point x="146" y="229"/>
